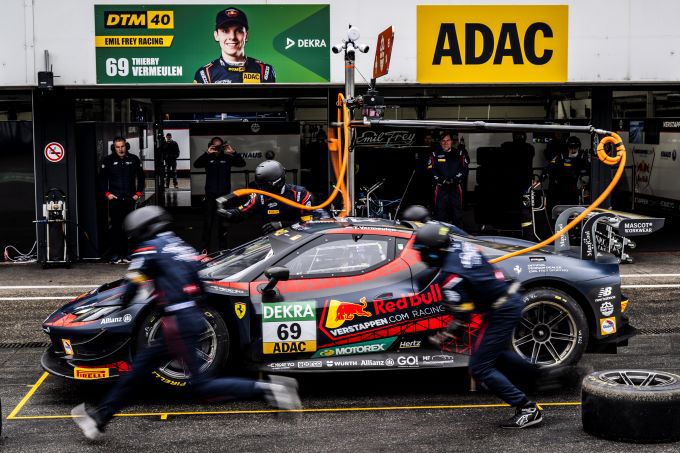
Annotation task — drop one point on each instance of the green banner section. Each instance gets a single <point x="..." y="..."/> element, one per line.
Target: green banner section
<point x="171" y="44"/>
<point x="288" y="311"/>
<point x="366" y="347"/>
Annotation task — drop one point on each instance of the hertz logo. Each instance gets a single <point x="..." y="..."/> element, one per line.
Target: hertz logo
<point x="139" y="19"/>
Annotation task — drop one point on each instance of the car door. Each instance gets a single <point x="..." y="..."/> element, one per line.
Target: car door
<point x="344" y="289"/>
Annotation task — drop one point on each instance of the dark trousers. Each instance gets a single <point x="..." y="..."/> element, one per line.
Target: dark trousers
<point x="212" y="220"/>
<point x="170" y="172"/>
<point x="492" y="351"/>
<point x="180" y="340"/>
<point x="448" y="203"/>
<point x="118" y="210"/>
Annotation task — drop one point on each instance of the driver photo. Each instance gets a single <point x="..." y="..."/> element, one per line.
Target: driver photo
<point x="233" y="66"/>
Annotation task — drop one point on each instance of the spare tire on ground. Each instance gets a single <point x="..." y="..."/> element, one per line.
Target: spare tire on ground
<point x="632" y="405"/>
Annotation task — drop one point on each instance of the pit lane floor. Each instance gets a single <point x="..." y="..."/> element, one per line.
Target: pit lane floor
<point x="406" y="410"/>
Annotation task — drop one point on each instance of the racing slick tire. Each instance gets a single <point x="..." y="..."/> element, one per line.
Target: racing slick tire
<point x="553" y="330"/>
<point x="214" y="348"/>
<point x="632" y="405"/>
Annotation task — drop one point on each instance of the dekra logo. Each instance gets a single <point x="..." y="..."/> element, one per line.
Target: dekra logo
<point x="304" y="43"/>
<point x="506" y="44"/>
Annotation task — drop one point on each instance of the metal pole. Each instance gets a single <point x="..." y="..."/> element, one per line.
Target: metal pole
<point x="480" y="126"/>
<point x="349" y="94"/>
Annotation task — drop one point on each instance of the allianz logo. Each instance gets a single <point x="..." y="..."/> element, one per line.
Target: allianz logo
<point x="305" y="43"/>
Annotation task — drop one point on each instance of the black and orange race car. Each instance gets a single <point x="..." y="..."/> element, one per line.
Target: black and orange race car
<point x="346" y="294"/>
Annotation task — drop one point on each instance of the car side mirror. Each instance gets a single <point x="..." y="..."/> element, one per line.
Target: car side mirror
<point x="275" y="275"/>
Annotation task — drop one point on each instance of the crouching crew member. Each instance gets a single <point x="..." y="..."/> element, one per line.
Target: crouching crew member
<point x="270" y="176"/>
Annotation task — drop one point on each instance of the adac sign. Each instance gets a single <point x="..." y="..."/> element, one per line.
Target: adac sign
<point x="492" y="44"/>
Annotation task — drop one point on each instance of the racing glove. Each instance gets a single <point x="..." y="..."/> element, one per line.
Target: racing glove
<point x="452" y="333"/>
<point x="270" y="227"/>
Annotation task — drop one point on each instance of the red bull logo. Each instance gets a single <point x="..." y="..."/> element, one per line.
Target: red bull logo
<point x="339" y="312"/>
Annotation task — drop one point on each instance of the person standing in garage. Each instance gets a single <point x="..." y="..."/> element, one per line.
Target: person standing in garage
<point x="449" y="168"/>
<point x="170" y="150"/>
<point x="470" y="284"/>
<point x="172" y="266"/>
<point x="122" y="182"/>
<point x="218" y="161"/>
<point x="564" y="172"/>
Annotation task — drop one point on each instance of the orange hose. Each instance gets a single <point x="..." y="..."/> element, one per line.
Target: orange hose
<point x="619" y="159"/>
<point x="340" y="175"/>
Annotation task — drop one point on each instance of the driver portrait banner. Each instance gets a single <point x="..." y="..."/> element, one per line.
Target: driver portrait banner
<point x="492" y="43"/>
<point x="179" y="44"/>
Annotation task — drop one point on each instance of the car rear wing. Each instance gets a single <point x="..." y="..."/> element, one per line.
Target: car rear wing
<point x="601" y="227"/>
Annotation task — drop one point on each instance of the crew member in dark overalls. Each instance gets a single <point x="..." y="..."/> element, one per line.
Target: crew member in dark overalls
<point x="172" y="266"/>
<point x="218" y="161"/>
<point x="170" y="152"/>
<point x="470" y="284"/>
<point x="270" y="176"/>
<point x="122" y="182"/>
<point x="449" y="168"/>
<point x="564" y="172"/>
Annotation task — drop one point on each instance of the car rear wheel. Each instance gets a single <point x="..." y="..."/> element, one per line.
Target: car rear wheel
<point x="212" y="350"/>
<point x="553" y="330"/>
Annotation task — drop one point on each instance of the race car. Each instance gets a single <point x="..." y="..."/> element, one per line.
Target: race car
<point x="338" y="295"/>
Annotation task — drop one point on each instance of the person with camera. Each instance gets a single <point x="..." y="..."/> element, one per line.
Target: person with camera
<point x="218" y="161"/>
<point x="171" y="265"/>
<point x="270" y="176"/>
<point x="122" y="182"/>
<point x="448" y="166"/>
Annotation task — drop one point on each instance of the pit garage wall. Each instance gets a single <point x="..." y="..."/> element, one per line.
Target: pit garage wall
<point x="608" y="40"/>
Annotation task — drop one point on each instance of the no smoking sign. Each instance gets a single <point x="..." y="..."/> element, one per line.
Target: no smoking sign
<point x="54" y="152"/>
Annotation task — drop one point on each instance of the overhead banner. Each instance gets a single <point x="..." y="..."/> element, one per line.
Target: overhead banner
<point x="492" y="44"/>
<point x="158" y="44"/>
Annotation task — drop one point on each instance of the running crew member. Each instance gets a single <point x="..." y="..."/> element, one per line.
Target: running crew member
<point x="449" y="168"/>
<point x="233" y="66"/>
<point x="270" y="176"/>
<point x="172" y="265"/>
<point x="470" y="284"/>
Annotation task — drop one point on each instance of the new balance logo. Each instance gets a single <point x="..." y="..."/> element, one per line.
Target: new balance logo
<point x="604" y="292"/>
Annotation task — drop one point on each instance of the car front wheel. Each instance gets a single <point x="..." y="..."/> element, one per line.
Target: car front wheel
<point x="553" y="330"/>
<point x="212" y="349"/>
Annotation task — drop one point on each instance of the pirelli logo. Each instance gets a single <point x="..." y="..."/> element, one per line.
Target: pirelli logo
<point x="88" y="374"/>
<point x="139" y="19"/>
<point x="251" y="77"/>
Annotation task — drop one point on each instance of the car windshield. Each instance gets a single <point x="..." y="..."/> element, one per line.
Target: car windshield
<point x="236" y="262"/>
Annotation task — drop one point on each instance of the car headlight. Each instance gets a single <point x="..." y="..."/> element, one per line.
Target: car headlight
<point x="92" y="313"/>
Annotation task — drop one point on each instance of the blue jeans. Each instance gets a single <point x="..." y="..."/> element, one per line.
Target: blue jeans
<point x="181" y="332"/>
<point x="492" y="349"/>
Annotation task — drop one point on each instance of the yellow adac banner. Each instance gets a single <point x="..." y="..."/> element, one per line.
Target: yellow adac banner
<point x="492" y="44"/>
<point x="134" y="41"/>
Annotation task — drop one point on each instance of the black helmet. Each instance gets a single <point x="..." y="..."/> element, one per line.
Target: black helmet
<point x="416" y="213"/>
<point x="432" y="240"/>
<point x="270" y="175"/>
<point x="573" y="142"/>
<point x="144" y="223"/>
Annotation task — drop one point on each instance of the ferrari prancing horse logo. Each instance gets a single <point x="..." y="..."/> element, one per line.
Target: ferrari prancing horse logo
<point x="240" y="309"/>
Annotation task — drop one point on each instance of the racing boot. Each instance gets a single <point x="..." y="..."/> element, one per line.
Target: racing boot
<point x="525" y="416"/>
<point x="87" y="422"/>
<point x="282" y="393"/>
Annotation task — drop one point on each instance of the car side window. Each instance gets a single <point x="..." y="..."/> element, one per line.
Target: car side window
<point x="340" y="255"/>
